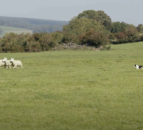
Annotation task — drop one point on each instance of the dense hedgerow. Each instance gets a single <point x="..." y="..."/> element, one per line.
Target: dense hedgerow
<point x="29" y="43"/>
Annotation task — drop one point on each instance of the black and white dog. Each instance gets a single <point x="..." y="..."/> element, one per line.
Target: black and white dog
<point x="138" y="66"/>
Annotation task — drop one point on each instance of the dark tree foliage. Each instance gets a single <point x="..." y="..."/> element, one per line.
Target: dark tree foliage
<point x="140" y="28"/>
<point x="95" y="38"/>
<point x="10" y="43"/>
<point x="33" y="46"/>
<point x="130" y="34"/>
<point x="99" y="16"/>
<point x="121" y="37"/>
<point x="78" y="27"/>
<point x="58" y="37"/>
<point x="27" y="43"/>
<point x="46" y="41"/>
<point x="118" y="27"/>
<point x="141" y="38"/>
<point x="92" y="28"/>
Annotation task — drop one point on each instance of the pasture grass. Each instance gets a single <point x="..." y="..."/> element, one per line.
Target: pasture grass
<point x="74" y="90"/>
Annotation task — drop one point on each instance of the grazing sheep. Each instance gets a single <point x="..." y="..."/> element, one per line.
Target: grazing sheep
<point x="7" y="63"/>
<point x="1" y="63"/>
<point x="16" y="63"/>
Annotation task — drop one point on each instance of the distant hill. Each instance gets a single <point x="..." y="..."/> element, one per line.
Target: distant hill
<point x="37" y="25"/>
<point x="6" y="29"/>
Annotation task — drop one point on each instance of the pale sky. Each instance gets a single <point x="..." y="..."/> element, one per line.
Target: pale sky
<point x="129" y="11"/>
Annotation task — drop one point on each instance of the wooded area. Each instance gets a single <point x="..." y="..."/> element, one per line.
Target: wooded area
<point x="90" y="28"/>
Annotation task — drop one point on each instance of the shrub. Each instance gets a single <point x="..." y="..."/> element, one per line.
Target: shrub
<point x="95" y="38"/>
<point x="33" y="46"/>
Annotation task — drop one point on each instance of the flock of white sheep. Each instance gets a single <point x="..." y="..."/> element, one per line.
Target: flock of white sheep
<point x="9" y="63"/>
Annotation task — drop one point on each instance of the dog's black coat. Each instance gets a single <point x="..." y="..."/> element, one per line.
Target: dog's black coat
<point x="138" y="66"/>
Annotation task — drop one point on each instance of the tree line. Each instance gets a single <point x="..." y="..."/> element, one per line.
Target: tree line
<point x="36" y="42"/>
<point x="90" y="28"/>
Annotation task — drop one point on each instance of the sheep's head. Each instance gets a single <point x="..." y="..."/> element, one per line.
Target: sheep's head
<point x="5" y="59"/>
<point x="12" y="59"/>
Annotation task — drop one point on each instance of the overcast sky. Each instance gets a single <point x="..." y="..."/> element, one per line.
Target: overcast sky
<point x="129" y="11"/>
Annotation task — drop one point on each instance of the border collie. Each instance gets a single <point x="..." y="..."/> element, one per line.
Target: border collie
<point x="138" y="66"/>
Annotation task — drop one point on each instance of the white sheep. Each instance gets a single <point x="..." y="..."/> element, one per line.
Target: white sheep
<point x="1" y="63"/>
<point x="7" y="63"/>
<point x="16" y="63"/>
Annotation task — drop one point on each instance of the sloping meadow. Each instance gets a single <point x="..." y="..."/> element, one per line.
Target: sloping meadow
<point x="73" y="90"/>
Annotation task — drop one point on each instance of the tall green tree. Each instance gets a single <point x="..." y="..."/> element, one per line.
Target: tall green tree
<point x="46" y="41"/>
<point x="118" y="27"/>
<point x="140" y="28"/>
<point x="10" y="43"/>
<point x="95" y="38"/>
<point x="80" y="26"/>
<point x="99" y="16"/>
<point x="58" y="37"/>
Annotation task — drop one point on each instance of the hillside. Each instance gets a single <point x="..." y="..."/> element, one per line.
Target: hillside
<point x="37" y="25"/>
<point x="6" y="29"/>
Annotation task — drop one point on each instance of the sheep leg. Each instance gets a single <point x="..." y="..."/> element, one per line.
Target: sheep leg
<point x="14" y="67"/>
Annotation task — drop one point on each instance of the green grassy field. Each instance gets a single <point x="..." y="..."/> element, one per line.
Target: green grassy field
<point x="74" y="90"/>
<point x="7" y="29"/>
